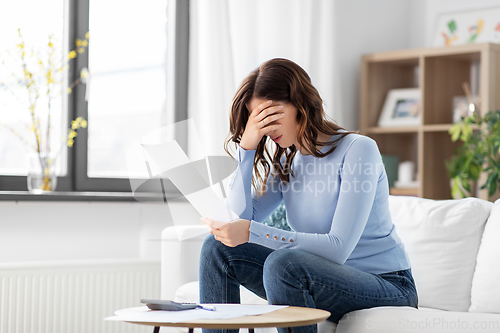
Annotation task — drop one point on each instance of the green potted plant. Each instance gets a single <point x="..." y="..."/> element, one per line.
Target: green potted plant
<point x="480" y="152"/>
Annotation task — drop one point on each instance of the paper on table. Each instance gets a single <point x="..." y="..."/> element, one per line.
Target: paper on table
<point x="224" y="311"/>
<point x="175" y="164"/>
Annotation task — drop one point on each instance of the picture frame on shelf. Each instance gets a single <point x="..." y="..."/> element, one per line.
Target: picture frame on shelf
<point x="401" y="108"/>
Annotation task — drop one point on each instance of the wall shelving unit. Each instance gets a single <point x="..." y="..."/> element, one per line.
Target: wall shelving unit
<point x="439" y="74"/>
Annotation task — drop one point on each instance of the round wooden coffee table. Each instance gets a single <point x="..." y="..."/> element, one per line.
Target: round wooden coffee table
<point x="291" y="316"/>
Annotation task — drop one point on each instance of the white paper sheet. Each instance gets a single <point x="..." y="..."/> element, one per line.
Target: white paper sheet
<point x="224" y="311"/>
<point x="170" y="155"/>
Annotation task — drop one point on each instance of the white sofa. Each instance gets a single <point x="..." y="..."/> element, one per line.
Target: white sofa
<point x="454" y="248"/>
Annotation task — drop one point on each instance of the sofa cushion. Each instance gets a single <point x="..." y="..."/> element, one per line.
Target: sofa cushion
<point x="442" y="239"/>
<point x="410" y="320"/>
<point x="485" y="294"/>
<point x="278" y="218"/>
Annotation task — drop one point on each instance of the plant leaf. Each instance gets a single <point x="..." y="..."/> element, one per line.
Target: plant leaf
<point x="466" y="132"/>
<point x="493" y="186"/>
<point x="465" y="184"/>
<point x="454" y="131"/>
<point x="455" y="189"/>
<point x="489" y="180"/>
<point x="475" y="170"/>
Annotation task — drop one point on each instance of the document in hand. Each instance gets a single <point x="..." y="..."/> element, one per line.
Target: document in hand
<point x="175" y="164"/>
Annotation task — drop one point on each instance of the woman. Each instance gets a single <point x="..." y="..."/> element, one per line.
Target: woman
<point x="344" y="253"/>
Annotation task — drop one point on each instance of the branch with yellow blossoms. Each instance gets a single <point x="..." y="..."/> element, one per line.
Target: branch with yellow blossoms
<point x="43" y="75"/>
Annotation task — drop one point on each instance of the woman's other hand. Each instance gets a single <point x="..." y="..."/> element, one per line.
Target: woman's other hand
<point x="230" y="234"/>
<point x="260" y="122"/>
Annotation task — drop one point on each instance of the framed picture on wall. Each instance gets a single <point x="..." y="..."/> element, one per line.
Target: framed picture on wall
<point x="401" y="108"/>
<point x="468" y="27"/>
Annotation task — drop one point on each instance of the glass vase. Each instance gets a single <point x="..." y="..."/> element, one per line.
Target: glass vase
<point x="42" y="173"/>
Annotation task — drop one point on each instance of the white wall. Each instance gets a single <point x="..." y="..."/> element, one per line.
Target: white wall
<point x="417" y="23"/>
<point x="47" y="231"/>
<point x="365" y="26"/>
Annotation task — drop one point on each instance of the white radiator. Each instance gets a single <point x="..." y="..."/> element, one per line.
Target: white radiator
<point x="69" y="297"/>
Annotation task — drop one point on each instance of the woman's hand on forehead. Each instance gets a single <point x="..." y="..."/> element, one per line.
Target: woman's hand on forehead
<point x="261" y="121"/>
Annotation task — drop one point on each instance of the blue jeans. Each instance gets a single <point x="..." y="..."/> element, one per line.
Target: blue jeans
<point x="297" y="278"/>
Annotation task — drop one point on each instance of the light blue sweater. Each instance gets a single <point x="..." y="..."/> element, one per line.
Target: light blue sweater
<point x="336" y="205"/>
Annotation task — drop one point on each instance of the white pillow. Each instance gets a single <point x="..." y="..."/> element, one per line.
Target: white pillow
<point x="442" y="239"/>
<point x="485" y="295"/>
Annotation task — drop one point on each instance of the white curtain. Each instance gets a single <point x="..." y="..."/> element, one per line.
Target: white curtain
<point x="230" y="38"/>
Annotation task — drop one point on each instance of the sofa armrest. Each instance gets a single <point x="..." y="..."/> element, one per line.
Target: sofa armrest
<point x="180" y="255"/>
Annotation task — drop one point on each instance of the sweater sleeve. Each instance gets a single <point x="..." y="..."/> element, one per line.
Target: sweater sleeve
<point x="242" y="198"/>
<point x="359" y="181"/>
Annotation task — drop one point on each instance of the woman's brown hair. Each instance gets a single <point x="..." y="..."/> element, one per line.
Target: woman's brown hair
<point x="285" y="81"/>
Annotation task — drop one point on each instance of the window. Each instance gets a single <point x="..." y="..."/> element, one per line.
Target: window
<point x="123" y="98"/>
<point x="43" y="19"/>
<point x="127" y="91"/>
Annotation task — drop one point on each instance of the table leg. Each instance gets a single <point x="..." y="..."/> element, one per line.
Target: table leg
<point x="250" y="330"/>
<point x="191" y="330"/>
<point x="156" y="329"/>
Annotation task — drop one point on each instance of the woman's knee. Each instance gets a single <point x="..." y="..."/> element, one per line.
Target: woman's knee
<point x="277" y="259"/>
<point x="212" y="257"/>
<point x="208" y="242"/>
<point x="211" y="247"/>
<point x="280" y="265"/>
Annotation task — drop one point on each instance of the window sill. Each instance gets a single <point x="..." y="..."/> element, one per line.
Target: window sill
<point x="86" y="196"/>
